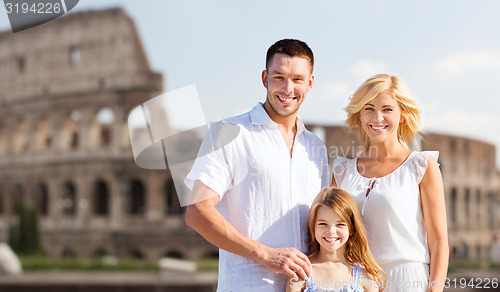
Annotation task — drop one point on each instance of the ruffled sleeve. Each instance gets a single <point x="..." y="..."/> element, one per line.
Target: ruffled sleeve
<point x="339" y="169"/>
<point x="420" y="162"/>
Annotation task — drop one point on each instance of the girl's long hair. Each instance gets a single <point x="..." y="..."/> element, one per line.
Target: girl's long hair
<point x="356" y="247"/>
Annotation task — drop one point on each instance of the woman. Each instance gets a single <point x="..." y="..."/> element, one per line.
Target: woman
<point x="399" y="191"/>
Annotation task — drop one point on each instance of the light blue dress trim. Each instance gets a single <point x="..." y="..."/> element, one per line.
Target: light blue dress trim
<point x="355" y="286"/>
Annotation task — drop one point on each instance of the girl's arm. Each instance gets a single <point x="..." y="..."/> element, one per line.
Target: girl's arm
<point x="434" y="209"/>
<point x="294" y="285"/>
<point x="369" y="284"/>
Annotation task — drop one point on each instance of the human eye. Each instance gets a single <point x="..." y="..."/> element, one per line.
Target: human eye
<point x="368" y="108"/>
<point x="388" y="109"/>
<point x="277" y="77"/>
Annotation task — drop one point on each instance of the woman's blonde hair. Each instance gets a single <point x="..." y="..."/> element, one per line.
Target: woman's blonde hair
<point x="390" y="84"/>
<point x="356" y="247"/>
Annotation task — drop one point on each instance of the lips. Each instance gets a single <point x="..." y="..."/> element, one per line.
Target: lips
<point x="284" y="99"/>
<point x="331" y="239"/>
<point x="378" y="128"/>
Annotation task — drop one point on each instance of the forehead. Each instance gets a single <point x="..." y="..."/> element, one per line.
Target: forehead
<point x="384" y="99"/>
<point x="326" y="213"/>
<point x="282" y="62"/>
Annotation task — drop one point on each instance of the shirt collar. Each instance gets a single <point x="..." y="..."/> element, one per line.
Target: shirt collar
<point x="259" y="116"/>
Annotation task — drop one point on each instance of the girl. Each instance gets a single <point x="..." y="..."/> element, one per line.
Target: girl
<point x="338" y="249"/>
<point x="399" y="191"/>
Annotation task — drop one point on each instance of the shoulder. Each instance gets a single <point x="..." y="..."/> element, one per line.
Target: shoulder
<point x="312" y="138"/>
<point x="424" y="162"/>
<point x="340" y="164"/>
<point x="369" y="283"/>
<point x="424" y="156"/>
<point x="239" y="119"/>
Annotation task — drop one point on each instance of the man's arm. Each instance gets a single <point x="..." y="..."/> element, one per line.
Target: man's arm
<point x="209" y="222"/>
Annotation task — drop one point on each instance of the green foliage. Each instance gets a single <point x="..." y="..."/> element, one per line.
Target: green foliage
<point x="208" y="265"/>
<point x="24" y="235"/>
<point x="41" y="263"/>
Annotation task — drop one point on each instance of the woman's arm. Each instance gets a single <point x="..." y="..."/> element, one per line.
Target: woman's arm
<point x="434" y="209"/>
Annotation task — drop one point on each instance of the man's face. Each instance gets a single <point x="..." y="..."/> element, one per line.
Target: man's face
<point x="287" y="80"/>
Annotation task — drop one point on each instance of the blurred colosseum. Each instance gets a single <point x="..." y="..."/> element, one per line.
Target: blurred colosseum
<point x="66" y="89"/>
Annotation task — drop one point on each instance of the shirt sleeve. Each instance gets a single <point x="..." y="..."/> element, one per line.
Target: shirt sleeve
<point x="339" y="169"/>
<point x="420" y="163"/>
<point x="212" y="165"/>
<point x="325" y="172"/>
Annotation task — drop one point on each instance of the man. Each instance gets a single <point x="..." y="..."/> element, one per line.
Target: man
<point x="260" y="185"/>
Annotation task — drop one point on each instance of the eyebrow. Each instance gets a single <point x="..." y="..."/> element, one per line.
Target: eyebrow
<point x="387" y="105"/>
<point x="324" y="220"/>
<point x="281" y="73"/>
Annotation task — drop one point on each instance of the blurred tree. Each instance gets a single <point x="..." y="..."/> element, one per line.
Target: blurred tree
<point x="24" y="237"/>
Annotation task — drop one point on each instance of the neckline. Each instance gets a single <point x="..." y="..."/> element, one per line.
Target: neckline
<point x="352" y="280"/>
<point x="399" y="166"/>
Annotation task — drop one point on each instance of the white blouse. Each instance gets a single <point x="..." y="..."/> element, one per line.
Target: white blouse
<point x="392" y="211"/>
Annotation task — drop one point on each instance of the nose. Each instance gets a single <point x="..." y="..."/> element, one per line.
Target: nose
<point x="332" y="230"/>
<point x="288" y="86"/>
<point x="378" y="116"/>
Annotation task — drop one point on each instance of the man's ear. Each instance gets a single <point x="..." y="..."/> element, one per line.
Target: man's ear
<point x="311" y="82"/>
<point x="264" y="78"/>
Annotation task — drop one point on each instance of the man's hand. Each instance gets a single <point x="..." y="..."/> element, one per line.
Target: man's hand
<point x="289" y="261"/>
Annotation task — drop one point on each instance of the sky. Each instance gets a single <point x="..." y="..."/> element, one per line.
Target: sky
<point x="447" y="52"/>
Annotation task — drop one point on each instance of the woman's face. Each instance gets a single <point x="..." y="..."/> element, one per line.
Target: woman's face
<point x="380" y="119"/>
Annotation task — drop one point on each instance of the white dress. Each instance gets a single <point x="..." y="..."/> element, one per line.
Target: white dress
<point x="393" y="217"/>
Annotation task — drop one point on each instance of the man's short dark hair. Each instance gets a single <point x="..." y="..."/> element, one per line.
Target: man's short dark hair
<point x="292" y="48"/>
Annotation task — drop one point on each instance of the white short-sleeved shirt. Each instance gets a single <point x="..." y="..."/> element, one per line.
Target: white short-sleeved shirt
<point x="392" y="212"/>
<point x="264" y="193"/>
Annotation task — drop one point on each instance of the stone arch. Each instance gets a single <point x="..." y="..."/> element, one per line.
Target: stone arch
<point x="71" y="132"/>
<point x="43" y="133"/>
<point x="136" y="198"/>
<point x="68" y="252"/>
<point x="68" y="199"/>
<point x="172" y="204"/>
<point x="211" y="255"/>
<point x="477" y="252"/>
<point x="1" y="200"/>
<point x="136" y="254"/>
<point x="454" y="252"/>
<point x="453" y="207"/>
<point x="100" y="199"/>
<point x="3" y="138"/>
<point x="467" y="205"/>
<point x="479" y="207"/>
<point x="174" y="254"/>
<point x="17" y="197"/>
<point x="20" y="136"/>
<point x="100" y="252"/>
<point x="491" y="210"/>
<point x="41" y="199"/>
<point x="101" y="128"/>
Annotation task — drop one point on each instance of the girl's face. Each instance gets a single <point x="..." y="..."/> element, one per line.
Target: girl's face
<point x="331" y="231"/>
<point x="380" y="119"/>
